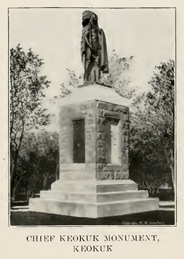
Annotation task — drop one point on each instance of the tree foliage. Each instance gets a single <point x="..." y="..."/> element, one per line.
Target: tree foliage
<point x="117" y="78"/>
<point x="38" y="163"/>
<point x="152" y="126"/>
<point x="26" y="95"/>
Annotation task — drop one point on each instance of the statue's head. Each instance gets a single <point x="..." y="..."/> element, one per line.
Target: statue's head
<point x="89" y="17"/>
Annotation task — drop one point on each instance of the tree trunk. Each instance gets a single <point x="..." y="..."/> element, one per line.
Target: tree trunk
<point x="14" y="188"/>
<point x="57" y="173"/>
<point x="15" y="159"/>
<point x="13" y="194"/>
<point x="13" y="173"/>
<point x="170" y="163"/>
<point x="172" y="177"/>
<point x="45" y="181"/>
<point x="171" y="166"/>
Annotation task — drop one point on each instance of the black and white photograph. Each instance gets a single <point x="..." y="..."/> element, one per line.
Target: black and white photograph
<point x="92" y="116"/>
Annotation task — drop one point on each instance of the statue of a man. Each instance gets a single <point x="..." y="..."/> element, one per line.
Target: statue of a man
<point x="93" y="48"/>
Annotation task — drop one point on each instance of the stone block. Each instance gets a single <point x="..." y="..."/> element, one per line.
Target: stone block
<point x="121" y="196"/>
<point x="73" y="176"/>
<point x="121" y="175"/>
<point x="74" y="186"/>
<point x="126" y="207"/>
<point x="116" y="186"/>
<point x="72" y="167"/>
<point x="101" y="136"/>
<point x="102" y="105"/>
<point x="100" y="167"/>
<point x="120" y="108"/>
<point x="75" y="209"/>
<point x="94" y="197"/>
<point x="93" y="210"/>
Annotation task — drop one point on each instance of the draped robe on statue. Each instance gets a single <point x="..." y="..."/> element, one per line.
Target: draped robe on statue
<point x="93" y="48"/>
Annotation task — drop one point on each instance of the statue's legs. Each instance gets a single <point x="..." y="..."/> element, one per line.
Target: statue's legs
<point x="92" y="71"/>
<point x="87" y="65"/>
<point x="96" y="70"/>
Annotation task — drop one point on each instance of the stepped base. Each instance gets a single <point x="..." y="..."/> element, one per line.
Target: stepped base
<point x="93" y="210"/>
<point x="94" y="199"/>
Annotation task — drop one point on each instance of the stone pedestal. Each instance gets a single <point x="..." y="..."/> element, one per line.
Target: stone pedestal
<point x="94" y="174"/>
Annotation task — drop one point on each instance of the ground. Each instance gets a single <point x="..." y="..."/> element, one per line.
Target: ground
<point x="164" y="216"/>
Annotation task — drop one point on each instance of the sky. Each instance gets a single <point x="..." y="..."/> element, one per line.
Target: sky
<point x="55" y="34"/>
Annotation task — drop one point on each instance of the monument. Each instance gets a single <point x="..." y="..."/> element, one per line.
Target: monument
<point x="93" y="144"/>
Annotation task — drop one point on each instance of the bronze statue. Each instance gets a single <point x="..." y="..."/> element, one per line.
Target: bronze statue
<point x="93" y="48"/>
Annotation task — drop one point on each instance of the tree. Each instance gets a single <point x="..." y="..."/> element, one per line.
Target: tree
<point x="26" y="95"/>
<point x="48" y="156"/>
<point x="38" y="163"/>
<point x="118" y="78"/>
<point x="161" y="102"/>
<point x="152" y="124"/>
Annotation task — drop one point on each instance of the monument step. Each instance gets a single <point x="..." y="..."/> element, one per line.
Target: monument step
<point x="78" y="175"/>
<point x="94" y="197"/>
<point x="72" y="167"/>
<point x="93" y="186"/>
<point x="116" y="185"/>
<point x="93" y="210"/>
<point x="127" y="207"/>
<point x="73" y="186"/>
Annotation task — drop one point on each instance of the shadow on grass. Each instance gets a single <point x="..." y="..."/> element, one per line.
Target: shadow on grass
<point x="29" y="218"/>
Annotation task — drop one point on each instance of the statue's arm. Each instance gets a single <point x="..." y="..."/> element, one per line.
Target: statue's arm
<point x="87" y="41"/>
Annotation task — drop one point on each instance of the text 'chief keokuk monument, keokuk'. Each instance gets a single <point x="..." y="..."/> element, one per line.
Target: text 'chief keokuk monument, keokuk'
<point x="93" y="144"/>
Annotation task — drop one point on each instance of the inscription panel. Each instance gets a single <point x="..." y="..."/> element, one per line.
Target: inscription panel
<point x="112" y="142"/>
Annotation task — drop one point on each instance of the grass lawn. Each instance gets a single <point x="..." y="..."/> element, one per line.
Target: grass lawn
<point x="29" y="218"/>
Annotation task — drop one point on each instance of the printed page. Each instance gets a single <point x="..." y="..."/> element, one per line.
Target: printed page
<point x="91" y="142"/>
